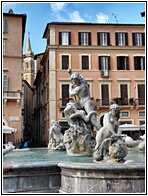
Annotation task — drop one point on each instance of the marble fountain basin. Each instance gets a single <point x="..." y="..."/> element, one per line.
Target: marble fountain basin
<point x="44" y="171"/>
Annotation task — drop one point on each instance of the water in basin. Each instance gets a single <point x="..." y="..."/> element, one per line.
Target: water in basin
<point x="41" y="155"/>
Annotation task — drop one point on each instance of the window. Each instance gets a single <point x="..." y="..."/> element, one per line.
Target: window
<point x="141" y="94"/>
<point x="105" y="94"/>
<point x="64" y="38"/>
<point x="138" y="39"/>
<point x="124" y="114"/>
<point x="85" y="62"/>
<point x="139" y="63"/>
<point x="141" y="113"/>
<point x="121" y="39"/>
<point x="5" y="26"/>
<point x="84" y="38"/>
<point x="141" y="122"/>
<point x="124" y="94"/>
<point x="4" y="46"/>
<point x="5" y="82"/>
<point x="103" y="39"/>
<point x="122" y="62"/>
<point x="65" y="61"/>
<point x="125" y="122"/>
<point x="104" y="65"/>
<point x="65" y="94"/>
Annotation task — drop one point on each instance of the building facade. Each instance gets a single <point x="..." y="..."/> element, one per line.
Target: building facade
<point x="13" y="37"/>
<point x="111" y="57"/>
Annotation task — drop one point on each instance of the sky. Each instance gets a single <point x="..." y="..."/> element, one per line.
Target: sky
<point x="40" y="13"/>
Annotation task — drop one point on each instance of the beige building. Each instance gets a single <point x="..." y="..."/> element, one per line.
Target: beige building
<point x="13" y="38"/>
<point x="111" y="57"/>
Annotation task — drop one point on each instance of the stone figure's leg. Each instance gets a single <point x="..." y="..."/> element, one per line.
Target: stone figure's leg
<point x="94" y="122"/>
<point x="101" y="135"/>
<point x="67" y="112"/>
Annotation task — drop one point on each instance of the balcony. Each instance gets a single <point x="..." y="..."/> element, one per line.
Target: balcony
<point x="12" y="96"/>
<point x="127" y="102"/>
<point x="105" y="103"/>
<point x="63" y="101"/>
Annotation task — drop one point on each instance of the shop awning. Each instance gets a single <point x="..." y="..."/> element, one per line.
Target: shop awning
<point x="9" y="130"/>
<point x="128" y="127"/>
<point x="142" y="127"/>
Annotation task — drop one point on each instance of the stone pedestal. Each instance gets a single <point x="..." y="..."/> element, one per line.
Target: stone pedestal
<point x="102" y="178"/>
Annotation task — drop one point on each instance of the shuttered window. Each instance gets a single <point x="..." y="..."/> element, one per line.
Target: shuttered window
<point x="64" y="38"/>
<point x="5" y="26"/>
<point x="121" y="39"/>
<point x="124" y="94"/>
<point x="104" y="65"/>
<point x="103" y="38"/>
<point x="5" y="82"/>
<point x="65" y="61"/>
<point x="122" y="63"/>
<point x="65" y="94"/>
<point x="105" y="94"/>
<point x="138" y="39"/>
<point x="85" y="62"/>
<point x="139" y="63"/>
<point x="141" y="94"/>
<point x="84" y="38"/>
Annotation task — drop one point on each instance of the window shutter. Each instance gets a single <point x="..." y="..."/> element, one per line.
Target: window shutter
<point x="108" y="39"/>
<point x="98" y="36"/>
<point x="118" y="63"/>
<point x="143" y="39"/>
<point x="126" y="39"/>
<point x="124" y="93"/>
<point x="141" y="93"/>
<point x="89" y="38"/>
<point x="99" y="60"/>
<point x="5" y="26"/>
<point x="108" y="62"/>
<point x="79" y="38"/>
<point x="105" y="94"/>
<point x="116" y="34"/>
<point x="127" y="63"/>
<point x="65" y="93"/>
<point x="60" y="38"/>
<point x="135" y="63"/>
<point x="143" y="63"/>
<point x="69" y="38"/>
<point x="64" y="62"/>
<point x="5" y="82"/>
<point x="133" y="37"/>
<point x="85" y="63"/>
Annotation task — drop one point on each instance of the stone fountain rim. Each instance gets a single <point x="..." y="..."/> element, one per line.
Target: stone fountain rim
<point x="74" y="165"/>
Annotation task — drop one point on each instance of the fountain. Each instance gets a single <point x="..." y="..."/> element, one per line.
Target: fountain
<point x="103" y="164"/>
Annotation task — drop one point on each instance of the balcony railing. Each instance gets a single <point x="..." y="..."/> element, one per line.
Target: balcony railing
<point x="99" y="103"/>
<point x="13" y="96"/>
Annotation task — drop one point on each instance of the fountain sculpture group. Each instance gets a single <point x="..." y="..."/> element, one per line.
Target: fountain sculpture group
<point x="79" y="139"/>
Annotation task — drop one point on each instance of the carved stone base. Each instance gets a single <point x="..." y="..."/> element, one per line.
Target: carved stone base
<point x="79" y="139"/>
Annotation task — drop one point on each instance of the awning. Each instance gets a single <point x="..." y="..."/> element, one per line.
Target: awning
<point x="9" y="130"/>
<point x="129" y="127"/>
<point x="142" y="127"/>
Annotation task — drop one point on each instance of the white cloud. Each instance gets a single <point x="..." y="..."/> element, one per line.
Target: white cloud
<point x="55" y="7"/>
<point x="75" y="17"/>
<point x="102" y="18"/>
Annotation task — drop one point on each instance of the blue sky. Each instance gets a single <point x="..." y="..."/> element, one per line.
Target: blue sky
<point x="40" y="13"/>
